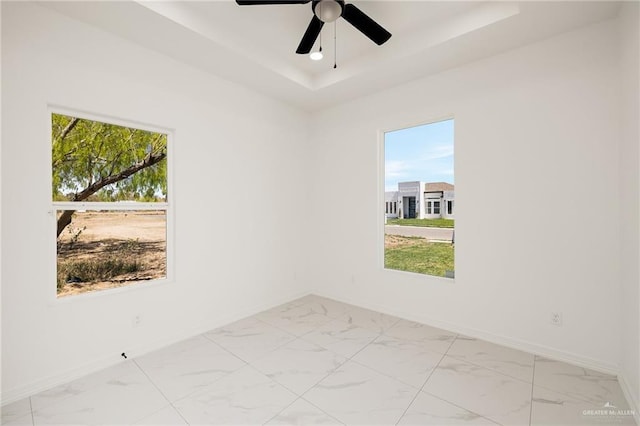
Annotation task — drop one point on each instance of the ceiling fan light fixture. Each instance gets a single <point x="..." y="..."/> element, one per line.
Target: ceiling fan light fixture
<point x="316" y="56"/>
<point x="328" y="10"/>
<point x="325" y="11"/>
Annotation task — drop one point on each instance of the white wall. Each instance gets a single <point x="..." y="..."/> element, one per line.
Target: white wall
<point x="630" y="199"/>
<point x="231" y="145"/>
<point x="539" y="127"/>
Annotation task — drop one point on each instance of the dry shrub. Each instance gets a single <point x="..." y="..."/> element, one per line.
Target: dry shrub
<point x="95" y="270"/>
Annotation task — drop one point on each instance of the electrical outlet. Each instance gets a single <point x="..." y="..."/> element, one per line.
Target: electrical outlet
<point x="136" y="320"/>
<point x="556" y="318"/>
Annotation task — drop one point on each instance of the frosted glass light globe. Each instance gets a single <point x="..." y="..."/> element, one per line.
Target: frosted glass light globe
<point x="328" y="10"/>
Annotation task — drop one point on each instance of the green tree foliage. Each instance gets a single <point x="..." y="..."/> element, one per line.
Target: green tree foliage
<point x="94" y="161"/>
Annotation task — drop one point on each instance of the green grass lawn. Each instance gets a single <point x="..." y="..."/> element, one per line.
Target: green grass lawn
<point x="414" y="254"/>
<point x="434" y="223"/>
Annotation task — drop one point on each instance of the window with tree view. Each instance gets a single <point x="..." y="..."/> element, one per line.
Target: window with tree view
<point x="419" y="180"/>
<point x="111" y="205"/>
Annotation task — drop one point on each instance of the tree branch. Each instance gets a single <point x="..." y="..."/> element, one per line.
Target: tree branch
<point x="149" y="161"/>
<point x="69" y="128"/>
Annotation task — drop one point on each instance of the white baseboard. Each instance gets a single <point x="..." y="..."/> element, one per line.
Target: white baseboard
<point x="32" y="388"/>
<point x="29" y="389"/>
<point x="137" y="351"/>
<point x="37" y="386"/>
<point x="533" y="348"/>
<point x="632" y="399"/>
<point x="530" y="347"/>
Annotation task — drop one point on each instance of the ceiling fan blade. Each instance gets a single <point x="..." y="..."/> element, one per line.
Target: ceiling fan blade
<point x="310" y="36"/>
<point x="365" y="24"/>
<point x="261" y="2"/>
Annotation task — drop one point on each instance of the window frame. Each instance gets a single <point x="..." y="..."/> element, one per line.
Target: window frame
<point x="167" y="207"/>
<point x="381" y="196"/>
<point x="436" y="207"/>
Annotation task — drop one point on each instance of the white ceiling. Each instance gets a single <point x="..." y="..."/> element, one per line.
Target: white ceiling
<point x="255" y="45"/>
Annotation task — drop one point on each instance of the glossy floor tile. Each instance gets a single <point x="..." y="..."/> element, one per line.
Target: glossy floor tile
<point x="249" y="338"/>
<point x="245" y="397"/>
<point x="551" y="408"/>
<point x="371" y="320"/>
<point x="319" y="361"/>
<point x="577" y="382"/>
<point x="124" y="400"/>
<point x="503" y="360"/>
<point x="17" y="413"/>
<point x="341" y="337"/>
<point x="438" y="340"/>
<point x="356" y="394"/>
<point x="188" y="366"/>
<point x="77" y="387"/>
<point x="409" y="361"/>
<point x="297" y="320"/>
<point x="429" y="410"/>
<point x="303" y="413"/>
<point x="299" y="365"/>
<point x="167" y="416"/>
<point x="328" y="307"/>
<point x="500" y="398"/>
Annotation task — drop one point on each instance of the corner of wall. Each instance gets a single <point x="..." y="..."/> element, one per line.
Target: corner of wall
<point x="629" y="174"/>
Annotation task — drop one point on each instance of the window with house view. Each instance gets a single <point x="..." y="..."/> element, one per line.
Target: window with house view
<point x="109" y="192"/>
<point x="419" y="180"/>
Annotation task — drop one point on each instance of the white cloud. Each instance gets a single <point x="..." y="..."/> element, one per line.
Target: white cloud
<point x="397" y="169"/>
<point x="436" y="152"/>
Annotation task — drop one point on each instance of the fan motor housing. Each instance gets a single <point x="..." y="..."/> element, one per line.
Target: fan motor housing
<point x="328" y="10"/>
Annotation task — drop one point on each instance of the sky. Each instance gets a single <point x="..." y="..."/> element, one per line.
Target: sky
<point x="423" y="153"/>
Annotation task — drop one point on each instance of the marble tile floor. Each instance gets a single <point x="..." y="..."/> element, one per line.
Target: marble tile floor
<point x="319" y="361"/>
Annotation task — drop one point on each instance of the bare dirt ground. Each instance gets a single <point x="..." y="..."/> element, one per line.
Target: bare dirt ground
<point x="393" y="241"/>
<point x="93" y="238"/>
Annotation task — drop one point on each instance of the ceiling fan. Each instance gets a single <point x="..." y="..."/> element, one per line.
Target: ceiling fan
<point x="325" y="11"/>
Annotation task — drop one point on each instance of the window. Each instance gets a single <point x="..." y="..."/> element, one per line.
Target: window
<point x="418" y="172"/>
<point x="433" y="207"/>
<point x="391" y="207"/>
<point x="109" y="192"/>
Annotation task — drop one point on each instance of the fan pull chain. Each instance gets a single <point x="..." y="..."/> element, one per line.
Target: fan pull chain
<point x="320" y="49"/>
<point x="335" y="45"/>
